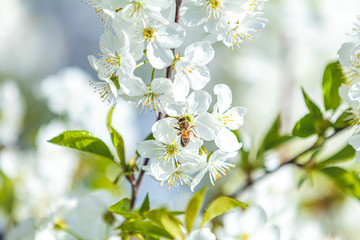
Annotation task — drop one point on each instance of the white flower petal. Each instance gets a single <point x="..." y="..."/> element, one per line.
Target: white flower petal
<point x="193" y="14"/>
<point x="198" y="102"/>
<point x="201" y="234"/>
<point x="164" y="131"/>
<point x="181" y="87"/>
<point x="234" y="117"/>
<point x="158" y="55"/>
<point x="268" y="233"/>
<point x="345" y="53"/>
<point x="170" y="35"/>
<point x="147" y="149"/>
<point x="206" y="127"/>
<point x="354" y="92"/>
<point x="163" y="88"/>
<point x="133" y="86"/>
<point x="224" y="97"/>
<point x="227" y="141"/>
<point x="198" y="76"/>
<point x="355" y="142"/>
<point x="200" y="53"/>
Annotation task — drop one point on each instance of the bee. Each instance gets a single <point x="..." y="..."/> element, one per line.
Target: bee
<point x="185" y="129"/>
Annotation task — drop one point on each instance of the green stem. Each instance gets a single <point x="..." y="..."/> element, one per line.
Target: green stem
<point x="152" y="74"/>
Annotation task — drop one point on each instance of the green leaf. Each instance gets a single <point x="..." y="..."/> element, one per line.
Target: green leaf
<point x="301" y="181"/>
<point x="166" y="220"/>
<point x="305" y="127"/>
<point x="332" y="79"/>
<point x="313" y="108"/>
<point x="123" y="208"/>
<point x="347" y="153"/>
<point x="145" y="228"/>
<point x="348" y="182"/>
<point x="145" y="206"/>
<point x="220" y="206"/>
<point x="7" y="195"/>
<point x="273" y="137"/>
<point x="118" y="141"/>
<point x="193" y="208"/>
<point x="83" y="141"/>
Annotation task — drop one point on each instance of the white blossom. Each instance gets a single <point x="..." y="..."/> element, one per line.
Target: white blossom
<point x="191" y="70"/>
<point x="230" y="118"/>
<point x="138" y="10"/>
<point x="171" y="162"/>
<point x="116" y="58"/>
<point x="205" y="125"/>
<point x="216" y="166"/>
<point x="236" y="28"/>
<point x="158" y="39"/>
<point x="155" y="96"/>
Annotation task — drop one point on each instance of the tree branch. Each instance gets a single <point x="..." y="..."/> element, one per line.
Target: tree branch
<point x="135" y="184"/>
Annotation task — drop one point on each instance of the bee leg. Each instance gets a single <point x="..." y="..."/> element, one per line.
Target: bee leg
<point x="177" y="128"/>
<point x="194" y="134"/>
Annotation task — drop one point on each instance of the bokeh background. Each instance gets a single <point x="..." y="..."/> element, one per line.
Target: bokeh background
<point x="44" y="90"/>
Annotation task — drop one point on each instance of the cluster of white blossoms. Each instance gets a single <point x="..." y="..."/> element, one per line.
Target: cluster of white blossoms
<point x="349" y="57"/>
<point x="140" y="32"/>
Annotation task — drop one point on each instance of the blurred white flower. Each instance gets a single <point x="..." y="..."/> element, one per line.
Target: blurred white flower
<point x="78" y="217"/>
<point x="249" y="224"/>
<point x="11" y="112"/>
<point x="355" y="31"/>
<point x="201" y="234"/>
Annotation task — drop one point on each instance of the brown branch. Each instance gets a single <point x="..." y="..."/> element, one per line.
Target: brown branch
<point x="177" y="17"/>
<point x="135" y="184"/>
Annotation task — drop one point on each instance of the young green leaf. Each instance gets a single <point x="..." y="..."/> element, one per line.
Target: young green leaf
<point x="313" y="108"/>
<point x="145" y="206"/>
<point x="117" y="140"/>
<point x="83" y="141"/>
<point x="193" y="208"/>
<point x="348" y="182"/>
<point x="7" y="195"/>
<point x="345" y="154"/>
<point x="123" y="208"/>
<point x="145" y="228"/>
<point x="168" y="221"/>
<point x="273" y="137"/>
<point x="305" y="127"/>
<point x="220" y="206"/>
<point x="332" y="79"/>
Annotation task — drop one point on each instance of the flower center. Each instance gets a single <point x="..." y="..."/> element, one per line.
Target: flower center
<point x="244" y="236"/>
<point x="149" y="33"/>
<point x="114" y="59"/>
<point x="215" y="8"/>
<point x="115" y="80"/>
<point x="134" y="9"/>
<point x="59" y="224"/>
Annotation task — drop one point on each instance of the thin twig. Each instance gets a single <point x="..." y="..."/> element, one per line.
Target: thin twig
<point x="135" y="184"/>
<point x="319" y="143"/>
